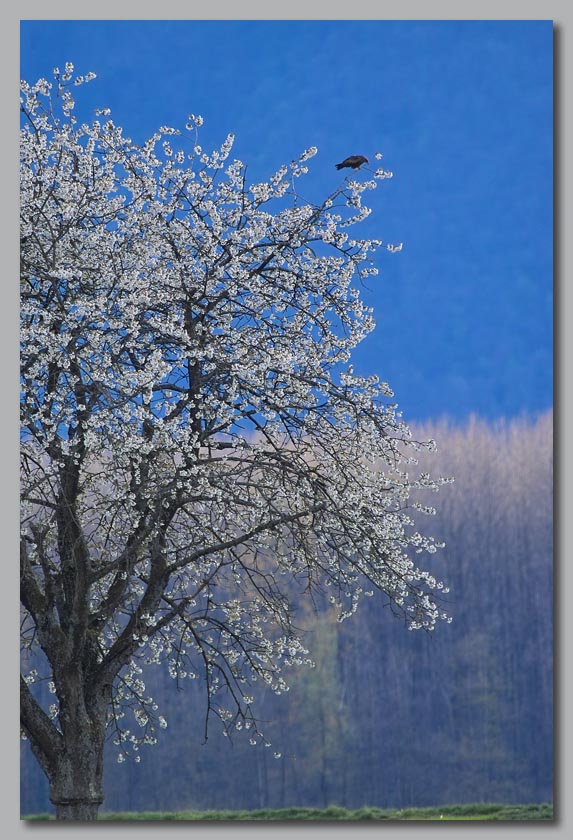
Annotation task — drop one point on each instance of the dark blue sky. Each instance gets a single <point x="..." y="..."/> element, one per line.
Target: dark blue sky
<point x="462" y="112"/>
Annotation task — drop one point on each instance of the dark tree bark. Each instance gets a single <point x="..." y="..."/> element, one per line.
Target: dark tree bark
<point x="72" y="758"/>
<point x="76" y="783"/>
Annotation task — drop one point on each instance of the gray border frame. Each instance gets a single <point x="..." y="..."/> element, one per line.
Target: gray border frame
<point x="562" y="16"/>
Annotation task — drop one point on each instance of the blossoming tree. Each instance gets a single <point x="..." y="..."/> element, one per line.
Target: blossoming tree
<point x="196" y="449"/>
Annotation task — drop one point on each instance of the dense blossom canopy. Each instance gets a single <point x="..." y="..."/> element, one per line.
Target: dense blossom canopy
<point x="196" y="447"/>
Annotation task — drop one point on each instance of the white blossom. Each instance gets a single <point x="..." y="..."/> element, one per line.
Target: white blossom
<point x="187" y="391"/>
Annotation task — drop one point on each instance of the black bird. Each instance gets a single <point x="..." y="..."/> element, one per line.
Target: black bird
<point x="353" y="162"/>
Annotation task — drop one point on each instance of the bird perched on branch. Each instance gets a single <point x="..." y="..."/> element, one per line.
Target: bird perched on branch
<point x="353" y="162"/>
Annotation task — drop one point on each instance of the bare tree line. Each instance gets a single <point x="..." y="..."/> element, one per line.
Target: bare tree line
<point x="392" y="718"/>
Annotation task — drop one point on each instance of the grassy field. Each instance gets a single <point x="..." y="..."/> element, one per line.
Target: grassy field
<point x="333" y="813"/>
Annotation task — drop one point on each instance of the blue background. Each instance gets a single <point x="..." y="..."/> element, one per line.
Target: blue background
<point x="462" y="112"/>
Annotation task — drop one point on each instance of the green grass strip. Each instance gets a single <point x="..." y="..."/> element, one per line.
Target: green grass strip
<point x="481" y="811"/>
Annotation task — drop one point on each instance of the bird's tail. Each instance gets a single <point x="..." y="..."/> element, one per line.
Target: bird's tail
<point x="339" y="165"/>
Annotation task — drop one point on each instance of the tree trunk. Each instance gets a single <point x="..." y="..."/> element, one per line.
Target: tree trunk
<point x="71" y="754"/>
<point x="79" y="811"/>
<point x="76" y="786"/>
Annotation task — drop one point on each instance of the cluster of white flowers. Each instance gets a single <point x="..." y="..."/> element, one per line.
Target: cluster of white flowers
<point x="186" y="340"/>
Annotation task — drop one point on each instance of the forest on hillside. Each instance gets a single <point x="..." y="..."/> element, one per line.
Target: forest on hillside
<point x="392" y="718"/>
